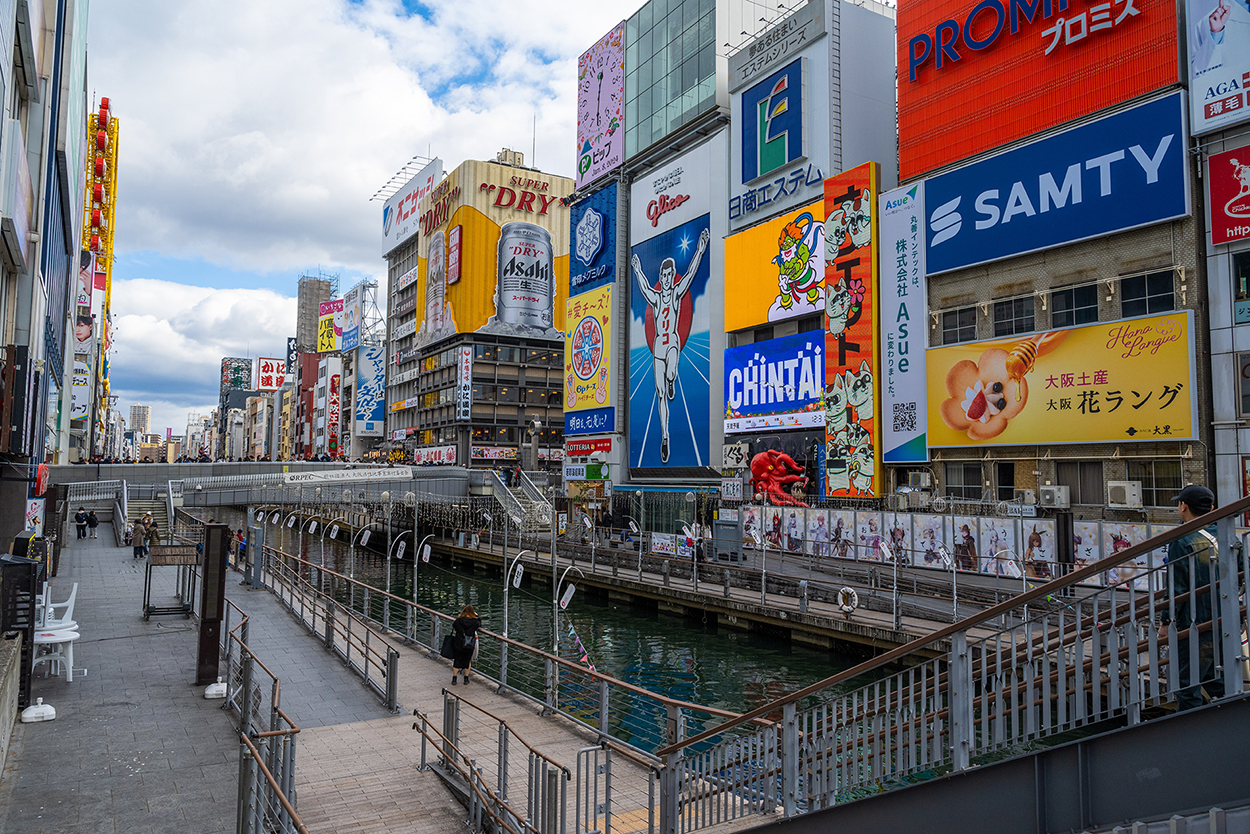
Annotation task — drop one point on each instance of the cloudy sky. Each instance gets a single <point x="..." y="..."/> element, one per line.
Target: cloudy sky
<point x="254" y="132"/>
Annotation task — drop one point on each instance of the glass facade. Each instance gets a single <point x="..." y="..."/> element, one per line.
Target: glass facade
<point x="670" y="68"/>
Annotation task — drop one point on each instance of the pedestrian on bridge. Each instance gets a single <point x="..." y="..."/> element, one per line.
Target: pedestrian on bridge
<point x="92" y="523"/>
<point x="465" y="629"/>
<point x="80" y="521"/>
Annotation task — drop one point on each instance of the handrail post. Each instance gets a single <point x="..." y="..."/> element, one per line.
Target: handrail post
<point x="451" y="728"/>
<point x="247" y="787"/>
<point x="959" y="683"/>
<point x="245" y="703"/>
<point x="503" y="664"/>
<point x="550" y="685"/>
<point x="789" y="750"/>
<point x="329" y="636"/>
<point x="668" y="793"/>
<point x="1228" y="605"/>
<point x="603" y="706"/>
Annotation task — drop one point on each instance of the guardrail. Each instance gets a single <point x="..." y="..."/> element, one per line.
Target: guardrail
<point x="1071" y="657"/>
<point x="92" y="491"/>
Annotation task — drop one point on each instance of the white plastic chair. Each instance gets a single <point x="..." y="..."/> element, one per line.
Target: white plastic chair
<point x="66" y="621"/>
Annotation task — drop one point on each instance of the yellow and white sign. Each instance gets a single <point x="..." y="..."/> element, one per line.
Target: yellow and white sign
<point x="1117" y="381"/>
<point x="588" y="350"/>
<point x="776" y="270"/>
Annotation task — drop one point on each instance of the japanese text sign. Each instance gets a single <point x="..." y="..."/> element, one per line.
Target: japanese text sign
<point x="904" y="311"/>
<point x="270" y="374"/>
<point x="1131" y="379"/>
<point x="1228" y="180"/>
<point x="588" y="350"/>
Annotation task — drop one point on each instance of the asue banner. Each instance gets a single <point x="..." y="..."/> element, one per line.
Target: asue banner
<point x="1120" y="172"/>
<point x="775" y="384"/>
<point x="593" y="249"/>
<point x="904" y="311"/>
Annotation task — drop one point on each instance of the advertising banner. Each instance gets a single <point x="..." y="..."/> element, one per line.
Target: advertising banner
<point x="455" y="240"/>
<point x="1219" y="63"/>
<point x="1132" y="379"/>
<point x="352" y="302"/>
<point x="852" y="400"/>
<point x="407" y="280"/>
<point x="270" y="374"/>
<point x="775" y="384"/>
<point x="86" y="272"/>
<point x="334" y="407"/>
<point x="236" y="373"/>
<point x="434" y="456"/>
<point x="776" y="270"/>
<point x="904" y="311"/>
<point x="779" y="147"/>
<point x="593" y="254"/>
<point x="464" y="381"/>
<point x="493" y="452"/>
<point x="601" y="107"/>
<point x="588" y="350"/>
<point x="399" y="214"/>
<point x="1228" y="185"/>
<point x="973" y="76"/>
<point x="329" y="326"/>
<point x="292" y="355"/>
<point x="1120" y="172"/>
<point x="586" y="447"/>
<point x="669" y="332"/>
<point x="80" y="394"/>
<point x="370" y="391"/>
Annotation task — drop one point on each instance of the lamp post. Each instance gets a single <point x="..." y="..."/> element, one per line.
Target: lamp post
<point x="556" y="605"/>
<point x="636" y="530"/>
<point x="762" y="542"/>
<point x="589" y="524"/>
<point x="510" y="576"/>
<point x="889" y="554"/>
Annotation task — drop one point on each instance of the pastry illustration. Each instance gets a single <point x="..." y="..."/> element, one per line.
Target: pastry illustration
<point x="985" y="395"/>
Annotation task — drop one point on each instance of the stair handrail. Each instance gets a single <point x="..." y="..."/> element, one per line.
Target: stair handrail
<point x="504" y="496"/>
<point x="534" y="493"/>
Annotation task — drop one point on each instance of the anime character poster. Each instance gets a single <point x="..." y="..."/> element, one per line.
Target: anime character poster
<point x="1118" y="537"/>
<point x="669" y="358"/>
<point x="751" y="524"/>
<point x="852" y="441"/>
<point x="930" y="537"/>
<point x="775" y="527"/>
<point x="897" y="534"/>
<point x="998" y="547"/>
<point x="869" y="536"/>
<point x="818" y="532"/>
<point x="966" y="544"/>
<point x="1158" y="558"/>
<point x="842" y="534"/>
<point x="795" y="528"/>
<point x="1038" y="535"/>
<point x="1086" y="547"/>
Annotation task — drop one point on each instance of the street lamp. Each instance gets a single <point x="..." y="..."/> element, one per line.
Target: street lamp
<point x="557" y="603"/>
<point x="594" y="537"/>
<point x="762" y="543"/>
<point x="512" y="576"/>
<point x="636" y="530"/>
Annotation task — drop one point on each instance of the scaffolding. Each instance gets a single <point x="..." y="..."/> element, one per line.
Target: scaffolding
<point x="314" y="288"/>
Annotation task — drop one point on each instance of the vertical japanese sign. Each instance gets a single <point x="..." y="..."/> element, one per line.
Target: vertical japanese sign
<point x="329" y="325"/>
<point x="292" y="355"/>
<point x="370" y="408"/>
<point x="1228" y="180"/>
<point x="464" y="381"/>
<point x="588" y="357"/>
<point x="351" y="317"/>
<point x="904" y="311"/>
<point x="1132" y="379"/>
<point x="600" y="106"/>
<point x="852" y="402"/>
<point x="454" y="246"/>
<point x="270" y="374"/>
<point x="334" y="407"/>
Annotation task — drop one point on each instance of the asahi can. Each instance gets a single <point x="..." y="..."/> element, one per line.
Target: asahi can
<point x="436" y="282"/>
<point x="526" y="289"/>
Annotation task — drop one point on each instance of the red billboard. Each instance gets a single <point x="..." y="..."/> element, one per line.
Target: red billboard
<point x="977" y="75"/>
<point x="1228" y="181"/>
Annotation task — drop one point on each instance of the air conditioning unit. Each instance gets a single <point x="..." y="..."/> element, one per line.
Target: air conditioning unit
<point x="918" y="480"/>
<point x="1054" y="496"/>
<point x="1026" y="496"/>
<point x="1126" y="494"/>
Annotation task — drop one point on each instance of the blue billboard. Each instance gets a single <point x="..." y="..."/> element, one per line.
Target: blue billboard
<point x="592" y="242"/>
<point x="775" y="384"/>
<point x="1120" y="172"/>
<point x="670" y="348"/>
<point x="370" y="409"/>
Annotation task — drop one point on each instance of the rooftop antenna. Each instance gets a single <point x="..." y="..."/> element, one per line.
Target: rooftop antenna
<point x="534" y="142"/>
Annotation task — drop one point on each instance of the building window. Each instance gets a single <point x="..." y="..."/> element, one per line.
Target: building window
<point x="1241" y="288"/>
<point x="1015" y="315"/>
<point x="1005" y="480"/>
<point x="963" y="480"/>
<point x="1075" y="305"/>
<point x="1243" y="384"/>
<point x="1083" y="478"/>
<point x="1160" y="480"/>
<point x="1144" y="295"/>
<point x="959" y="325"/>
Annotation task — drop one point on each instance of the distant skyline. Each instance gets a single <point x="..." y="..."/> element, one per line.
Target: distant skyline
<point x="243" y="166"/>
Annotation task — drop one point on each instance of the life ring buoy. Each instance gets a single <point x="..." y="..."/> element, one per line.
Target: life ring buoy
<point x="848" y="600"/>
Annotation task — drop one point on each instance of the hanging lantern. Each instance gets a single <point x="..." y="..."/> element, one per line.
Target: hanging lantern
<point x="104" y="112"/>
<point x="95" y="243"/>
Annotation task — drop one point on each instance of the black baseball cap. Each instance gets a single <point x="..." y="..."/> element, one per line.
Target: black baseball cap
<point x="1199" y="498"/>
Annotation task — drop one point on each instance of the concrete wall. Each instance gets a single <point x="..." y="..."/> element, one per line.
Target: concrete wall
<point x="151" y="473"/>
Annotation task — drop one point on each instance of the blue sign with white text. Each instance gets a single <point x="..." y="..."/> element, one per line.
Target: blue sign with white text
<point x="772" y="122"/>
<point x="592" y="244"/>
<point x="783" y="376"/>
<point x="1120" y="172"/>
<point x="590" y="421"/>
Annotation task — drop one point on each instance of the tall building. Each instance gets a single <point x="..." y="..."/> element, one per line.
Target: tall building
<point x="141" y="418"/>
<point x="313" y="290"/>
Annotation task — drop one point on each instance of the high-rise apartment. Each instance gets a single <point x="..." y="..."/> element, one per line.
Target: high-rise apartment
<point x="141" y="418"/>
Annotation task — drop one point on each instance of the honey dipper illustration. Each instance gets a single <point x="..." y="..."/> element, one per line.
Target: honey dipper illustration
<point x="985" y="395"/>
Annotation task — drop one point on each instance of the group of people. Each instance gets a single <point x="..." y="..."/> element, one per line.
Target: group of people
<point x="86" y="522"/>
<point x="143" y="534"/>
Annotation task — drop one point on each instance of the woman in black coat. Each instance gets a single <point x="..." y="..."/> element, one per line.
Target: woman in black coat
<point x="465" y="630"/>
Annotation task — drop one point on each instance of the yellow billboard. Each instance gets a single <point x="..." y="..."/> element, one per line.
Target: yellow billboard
<point x="494" y="253"/>
<point x="588" y="349"/>
<point x="1117" y="381"/>
<point x="776" y="270"/>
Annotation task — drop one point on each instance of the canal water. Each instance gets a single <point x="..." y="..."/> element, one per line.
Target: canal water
<point x="667" y="654"/>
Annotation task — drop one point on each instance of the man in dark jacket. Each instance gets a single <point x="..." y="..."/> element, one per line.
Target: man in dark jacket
<point x="1190" y="559"/>
<point x="80" y="521"/>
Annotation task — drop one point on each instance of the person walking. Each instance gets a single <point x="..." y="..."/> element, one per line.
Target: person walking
<point x="92" y="523"/>
<point x="80" y="521"/>
<point x="465" y="644"/>
<point x="139" y="538"/>
<point x="153" y="536"/>
<point x="1189" y="572"/>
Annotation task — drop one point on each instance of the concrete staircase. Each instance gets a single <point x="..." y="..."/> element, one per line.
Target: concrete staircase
<point x="137" y="509"/>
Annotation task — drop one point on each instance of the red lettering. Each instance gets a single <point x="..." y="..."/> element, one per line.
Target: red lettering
<point x="657" y="208"/>
<point x="544" y="201"/>
<point x="527" y="201"/>
<point x="503" y="189"/>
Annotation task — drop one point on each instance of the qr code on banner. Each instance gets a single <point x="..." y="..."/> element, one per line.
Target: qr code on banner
<point x="904" y="417"/>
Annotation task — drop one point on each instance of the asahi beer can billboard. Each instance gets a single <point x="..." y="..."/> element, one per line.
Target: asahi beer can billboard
<point x="526" y="288"/>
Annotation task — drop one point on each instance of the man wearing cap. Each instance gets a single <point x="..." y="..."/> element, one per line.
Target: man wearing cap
<point x="1189" y="567"/>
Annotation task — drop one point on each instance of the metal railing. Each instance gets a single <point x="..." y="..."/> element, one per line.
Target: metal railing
<point x="535" y="494"/>
<point x="1068" y="658"/>
<point x="92" y="491"/>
